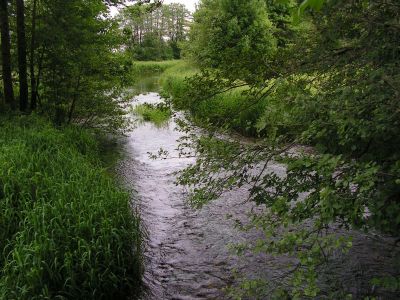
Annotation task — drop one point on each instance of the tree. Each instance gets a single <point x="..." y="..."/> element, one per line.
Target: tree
<point x="6" y="55"/>
<point x="22" y="64"/>
<point x="238" y="35"/>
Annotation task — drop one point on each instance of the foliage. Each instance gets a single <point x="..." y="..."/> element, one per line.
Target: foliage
<point x="66" y="230"/>
<point x="331" y="85"/>
<point x="152" y="48"/>
<point x="238" y="35"/>
<point x="81" y="73"/>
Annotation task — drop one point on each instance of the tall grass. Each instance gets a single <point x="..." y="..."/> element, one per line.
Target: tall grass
<point x="173" y="83"/>
<point x="66" y="230"/>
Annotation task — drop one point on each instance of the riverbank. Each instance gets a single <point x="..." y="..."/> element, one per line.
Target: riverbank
<point x="211" y="111"/>
<point x="67" y="228"/>
<point x="141" y="68"/>
<point x="229" y="109"/>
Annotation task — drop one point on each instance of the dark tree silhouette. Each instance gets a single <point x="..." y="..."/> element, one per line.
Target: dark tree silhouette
<point x="6" y="55"/>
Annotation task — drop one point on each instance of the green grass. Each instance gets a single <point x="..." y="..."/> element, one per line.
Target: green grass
<point x="157" y="114"/>
<point x="151" y="67"/>
<point x="67" y="230"/>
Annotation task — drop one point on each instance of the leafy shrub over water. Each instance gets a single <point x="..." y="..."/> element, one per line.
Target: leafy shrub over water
<point x="232" y="108"/>
<point x="66" y="230"/>
<point x="332" y="84"/>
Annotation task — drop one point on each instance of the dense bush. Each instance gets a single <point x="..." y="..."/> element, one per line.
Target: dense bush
<point x="66" y="230"/>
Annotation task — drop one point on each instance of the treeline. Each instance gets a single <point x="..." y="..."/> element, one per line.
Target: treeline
<point x="59" y="59"/>
<point x="155" y="34"/>
<point x="325" y="77"/>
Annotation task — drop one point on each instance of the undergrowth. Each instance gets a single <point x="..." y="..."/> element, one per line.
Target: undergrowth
<point x="67" y="231"/>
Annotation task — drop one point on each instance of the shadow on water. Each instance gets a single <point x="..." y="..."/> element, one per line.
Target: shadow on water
<point x="187" y="255"/>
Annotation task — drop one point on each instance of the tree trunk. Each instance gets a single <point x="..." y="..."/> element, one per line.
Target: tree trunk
<point x="22" y="65"/>
<point x="74" y="99"/>
<point x="32" y="62"/>
<point x="6" y="54"/>
<point x="39" y="75"/>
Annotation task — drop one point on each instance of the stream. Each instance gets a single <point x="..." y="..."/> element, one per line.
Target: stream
<point x="187" y="253"/>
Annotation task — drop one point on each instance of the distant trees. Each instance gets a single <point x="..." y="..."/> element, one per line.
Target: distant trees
<point x="155" y="34"/>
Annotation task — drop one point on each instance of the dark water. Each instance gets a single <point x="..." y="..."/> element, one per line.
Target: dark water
<point x="187" y="253"/>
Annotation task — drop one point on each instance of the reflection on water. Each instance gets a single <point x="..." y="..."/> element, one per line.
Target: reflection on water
<point x="145" y="84"/>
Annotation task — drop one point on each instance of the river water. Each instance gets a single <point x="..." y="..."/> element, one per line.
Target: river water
<point x="187" y="252"/>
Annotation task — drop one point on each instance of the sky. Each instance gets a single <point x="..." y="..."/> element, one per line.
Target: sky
<point x="190" y="4"/>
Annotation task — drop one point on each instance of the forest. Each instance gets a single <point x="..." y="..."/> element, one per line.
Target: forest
<point x="244" y="149"/>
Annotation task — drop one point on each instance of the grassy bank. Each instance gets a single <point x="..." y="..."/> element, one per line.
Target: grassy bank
<point x="233" y="108"/>
<point x="150" y="67"/>
<point x="285" y="110"/>
<point x="66" y="228"/>
<point x="174" y="85"/>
